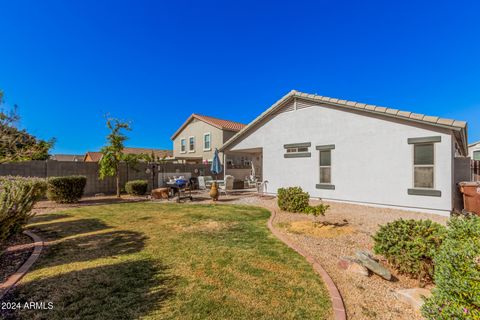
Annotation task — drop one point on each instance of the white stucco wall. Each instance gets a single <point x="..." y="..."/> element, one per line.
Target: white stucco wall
<point x="372" y="162"/>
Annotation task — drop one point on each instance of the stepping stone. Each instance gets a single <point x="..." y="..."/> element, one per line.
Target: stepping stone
<point x="414" y="297"/>
<point x="368" y="262"/>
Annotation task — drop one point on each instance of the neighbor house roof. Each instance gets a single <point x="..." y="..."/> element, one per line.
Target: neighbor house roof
<point x="159" y="153"/>
<point x="474" y="144"/>
<point x="94" y="156"/>
<point x="218" y="123"/>
<point x="456" y="125"/>
<point x="67" y="157"/>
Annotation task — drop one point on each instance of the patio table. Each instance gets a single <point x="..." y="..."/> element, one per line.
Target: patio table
<point x="179" y="189"/>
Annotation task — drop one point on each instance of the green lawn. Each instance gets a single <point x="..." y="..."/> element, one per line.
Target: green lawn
<point x="168" y="261"/>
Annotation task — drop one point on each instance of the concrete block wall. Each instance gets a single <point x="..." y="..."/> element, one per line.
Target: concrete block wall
<point x="52" y="168"/>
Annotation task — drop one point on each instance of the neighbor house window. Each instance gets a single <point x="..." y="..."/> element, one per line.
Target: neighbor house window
<point x="191" y="143"/>
<point x="325" y="166"/>
<point x="183" y="145"/>
<point x="476" y="155"/>
<point x="297" y="150"/>
<point x="207" y="141"/>
<point x="424" y="166"/>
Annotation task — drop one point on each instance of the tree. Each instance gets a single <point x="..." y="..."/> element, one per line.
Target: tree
<point x="113" y="152"/>
<point x="17" y="144"/>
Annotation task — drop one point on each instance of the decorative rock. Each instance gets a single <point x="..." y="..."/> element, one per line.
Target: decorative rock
<point x="352" y="265"/>
<point x="372" y="265"/>
<point x="414" y="297"/>
<point x="358" y="269"/>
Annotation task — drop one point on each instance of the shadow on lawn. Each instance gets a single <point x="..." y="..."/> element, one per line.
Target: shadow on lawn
<point x="88" y="239"/>
<point x="48" y="217"/>
<point x="62" y="229"/>
<point x="91" y="247"/>
<point x="127" y="290"/>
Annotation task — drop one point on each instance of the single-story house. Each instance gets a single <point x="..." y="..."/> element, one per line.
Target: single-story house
<point x="93" y="156"/>
<point x="347" y="151"/>
<point x="474" y="150"/>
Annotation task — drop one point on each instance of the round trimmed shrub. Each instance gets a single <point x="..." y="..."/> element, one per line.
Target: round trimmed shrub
<point x="17" y="197"/>
<point x="136" y="187"/>
<point x="68" y="189"/>
<point x="410" y="246"/>
<point x="457" y="273"/>
<point x="292" y="199"/>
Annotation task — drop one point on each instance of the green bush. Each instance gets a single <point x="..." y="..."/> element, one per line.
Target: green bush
<point x="410" y="245"/>
<point x="17" y="198"/>
<point x="457" y="273"/>
<point x="68" y="189"/>
<point x="292" y="199"/>
<point x="136" y="187"/>
<point x="318" y="210"/>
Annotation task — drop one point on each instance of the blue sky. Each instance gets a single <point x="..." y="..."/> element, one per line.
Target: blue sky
<point x="67" y="63"/>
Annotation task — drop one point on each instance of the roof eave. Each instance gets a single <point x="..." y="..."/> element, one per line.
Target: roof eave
<point x="461" y="127"/>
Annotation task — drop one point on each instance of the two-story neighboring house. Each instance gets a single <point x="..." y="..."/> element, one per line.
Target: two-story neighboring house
<point x="474" y="150"/>
<point x="196" y="139"/>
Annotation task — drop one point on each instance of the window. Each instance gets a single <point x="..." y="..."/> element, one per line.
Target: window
<point x="297" y="150"/>
<point x="191" y="143"/>
<point x="300" y="149"/>
<point x="183" y="145"/>
<point x="325" y="166"/>
<point x="476" y="155"/>
<point x="423" y="166"/>
<point x="207" y="142"/>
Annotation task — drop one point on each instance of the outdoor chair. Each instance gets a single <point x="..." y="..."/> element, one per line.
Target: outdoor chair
<point x="251" y="182"/>
<point x="208" y="181"/>
<point x="227" y="186"/>
<point x="204" y="182"/>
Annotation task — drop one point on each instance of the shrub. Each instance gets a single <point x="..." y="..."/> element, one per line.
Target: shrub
<point x="66" y="189"/>
<point x="17" y="198"/>
<point x="317" y="210"/>
<point x="410" y="245"/>
<point x="136" y="187"/>
<point x="292" y="199"/>
<point x="457" y="273"/>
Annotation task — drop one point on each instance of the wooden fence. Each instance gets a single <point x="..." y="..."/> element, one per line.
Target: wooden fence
<point x="475" y="166"/>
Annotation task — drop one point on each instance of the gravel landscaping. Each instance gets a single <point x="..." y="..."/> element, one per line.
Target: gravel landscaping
<point x="365" y="297"/>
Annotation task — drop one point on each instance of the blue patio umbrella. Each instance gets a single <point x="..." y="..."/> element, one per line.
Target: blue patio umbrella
<point x="216" y="167"/>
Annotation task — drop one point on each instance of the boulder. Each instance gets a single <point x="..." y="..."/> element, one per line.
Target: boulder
<point x="367" y="260"/>
<point x="352" y="265"/>
<point x="414" y="297"/>
<point x="358" y="269"/>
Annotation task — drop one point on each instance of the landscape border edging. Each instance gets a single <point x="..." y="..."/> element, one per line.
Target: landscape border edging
<point x="339" y="311"/>
<point x="14" y="278"/>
